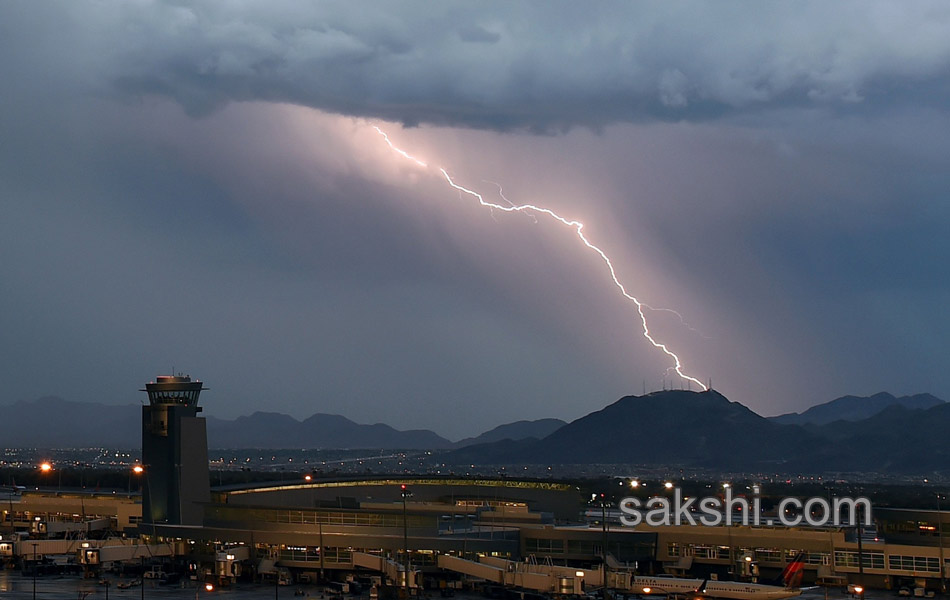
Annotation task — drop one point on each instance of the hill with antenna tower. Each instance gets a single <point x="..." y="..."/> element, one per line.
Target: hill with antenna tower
<point x="704" y="430"/>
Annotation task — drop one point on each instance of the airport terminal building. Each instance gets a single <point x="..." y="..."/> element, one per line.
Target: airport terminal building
<point x="458" y="532"/>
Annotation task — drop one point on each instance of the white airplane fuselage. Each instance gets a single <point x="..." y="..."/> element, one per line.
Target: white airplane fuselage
<point x="728" y="590"/>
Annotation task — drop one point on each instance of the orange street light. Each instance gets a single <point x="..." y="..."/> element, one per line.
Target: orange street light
<point x="138" y="470"/>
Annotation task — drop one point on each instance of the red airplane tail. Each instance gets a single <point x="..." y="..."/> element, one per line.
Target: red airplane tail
<point x="794" y="571"/>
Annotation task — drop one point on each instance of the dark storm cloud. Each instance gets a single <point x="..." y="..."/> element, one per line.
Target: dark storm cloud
<point x="502" y="65"/>
<point x="255" y="249"/>
<point x="776" y="172"/>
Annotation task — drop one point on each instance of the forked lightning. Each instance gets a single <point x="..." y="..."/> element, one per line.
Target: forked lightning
<point x="578" y="228"/>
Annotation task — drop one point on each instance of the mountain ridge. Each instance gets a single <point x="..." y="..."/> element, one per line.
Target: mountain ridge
<point x="515" y="431"/>
<point x="73" y="424"/>
<point x="855" y="408"/>
<point x="639" y="429"/>
<point x="670" y="428"/>
<point x="705" y="430"/>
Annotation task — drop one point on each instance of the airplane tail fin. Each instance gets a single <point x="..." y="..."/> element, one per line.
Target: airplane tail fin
<point x="791" y="576"/>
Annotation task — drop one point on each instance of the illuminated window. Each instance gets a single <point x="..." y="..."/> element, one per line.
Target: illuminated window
<point x="914" y="563"/>
<point x="849" y="558"/>
<point x="768" y="555"/>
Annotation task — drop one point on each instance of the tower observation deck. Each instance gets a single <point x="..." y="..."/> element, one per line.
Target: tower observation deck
<point x="174" y="452"/>
<point x="173" y="389"/>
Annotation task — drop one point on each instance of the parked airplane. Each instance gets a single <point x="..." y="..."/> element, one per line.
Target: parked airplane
<point x="790" y="580"/>
<point x="13" y="488"/>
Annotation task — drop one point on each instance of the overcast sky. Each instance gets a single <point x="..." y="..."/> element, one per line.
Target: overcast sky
<point x="202" y="188"/>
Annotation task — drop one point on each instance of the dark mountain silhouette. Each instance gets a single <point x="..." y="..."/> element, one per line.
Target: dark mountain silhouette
<point x="702" y="429"/>
<point x="51" y="422"/>
<point x="855" y="408"/>
<point x="518" y="430"/>
<point x="895" y="440"/>
<point x="275" y="430"/>
<point x="705" y="430"/>
<point x="671" y="428"/>
<point x="493" y="453"/>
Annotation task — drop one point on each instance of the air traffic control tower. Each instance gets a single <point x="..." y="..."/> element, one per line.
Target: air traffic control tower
<point x="174" y="453"/>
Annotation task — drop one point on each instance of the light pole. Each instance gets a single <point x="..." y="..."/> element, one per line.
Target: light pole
<point x="405" y="538"/>
<point x="34" y="569"/>
<point x="603" y="524"/>
<point x="45" y="468"/>
<point x="309" y="478"/>
<point x="943" y="578"/>
<point x="276" y="574"/>
<point x="860" y="530"/>
<point x="322" y="550"/>
<point x="138" y="470"/>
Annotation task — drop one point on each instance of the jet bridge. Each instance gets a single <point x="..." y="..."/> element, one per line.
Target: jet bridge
<point x="546" y="579"/>
<point x="388" y="567"/>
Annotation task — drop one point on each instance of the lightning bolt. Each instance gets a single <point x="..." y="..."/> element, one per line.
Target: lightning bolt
<point x="578" y="228"/>
<point x="501" y="193"/>
<point x="682" y="320"/>
<point x="402" y="153"/>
